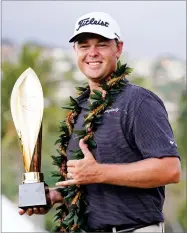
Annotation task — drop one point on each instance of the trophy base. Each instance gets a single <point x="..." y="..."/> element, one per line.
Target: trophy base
<point x="32" y="194"/>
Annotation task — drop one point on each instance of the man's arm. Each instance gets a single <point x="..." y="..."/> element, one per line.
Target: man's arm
<point x="152" y="134"/>
<point x="147" y="173"/>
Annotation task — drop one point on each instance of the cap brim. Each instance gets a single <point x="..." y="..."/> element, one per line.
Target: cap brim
<point x="75" y="37"/>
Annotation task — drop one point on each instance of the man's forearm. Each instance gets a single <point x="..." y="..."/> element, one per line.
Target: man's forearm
<point x="147" y="173"/>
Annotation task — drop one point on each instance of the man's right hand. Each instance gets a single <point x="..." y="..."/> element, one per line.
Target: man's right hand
<point x="52" y="197"/>
<point x="36" y="210"/>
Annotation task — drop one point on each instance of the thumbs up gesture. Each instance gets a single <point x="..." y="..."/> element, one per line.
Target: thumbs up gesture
<point x="82" y="171"/>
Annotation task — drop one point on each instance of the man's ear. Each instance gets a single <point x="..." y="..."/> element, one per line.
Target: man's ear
<point x="119" y="49"/>
<point x="74" y="46"/>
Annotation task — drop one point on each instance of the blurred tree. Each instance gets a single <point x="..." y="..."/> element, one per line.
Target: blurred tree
<point x="29" y="57"/>
<point x="142" y="82"/>
<point x="181" y="141"/>
<point x="182" y="215"/>
<point x="182" y="124"/>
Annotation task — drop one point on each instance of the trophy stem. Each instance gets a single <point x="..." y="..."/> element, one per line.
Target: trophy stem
<point x="32" y="177"/>
<point x="35" y="165"/>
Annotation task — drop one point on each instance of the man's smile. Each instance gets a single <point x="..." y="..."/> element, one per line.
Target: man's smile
<point x="94" y="63"/>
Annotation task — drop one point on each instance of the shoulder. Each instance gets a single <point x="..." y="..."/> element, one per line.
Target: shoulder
<point x="138" y="92"/>
<point x="133" y="96"/>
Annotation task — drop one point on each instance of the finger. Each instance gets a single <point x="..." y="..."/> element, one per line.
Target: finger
<point x="29" y="211"/>
<point x="85" y="150"/>
<point x="42" y="210"/>
<point x="36" y="211"/>
<point x="66" y="183"/>
<point x="72" y="163"/>
<point x="71" y="170"/>
<point x="21" y="211"/>
<point x="69" y="175"/>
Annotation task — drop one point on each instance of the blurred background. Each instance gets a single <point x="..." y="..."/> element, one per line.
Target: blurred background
<point x="35" y="34"/>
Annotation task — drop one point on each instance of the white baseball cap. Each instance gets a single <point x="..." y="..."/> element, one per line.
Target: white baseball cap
<point x="98" y="23"/>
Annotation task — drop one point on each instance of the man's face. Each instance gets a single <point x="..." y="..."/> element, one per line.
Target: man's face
<point x="97" y="56"/>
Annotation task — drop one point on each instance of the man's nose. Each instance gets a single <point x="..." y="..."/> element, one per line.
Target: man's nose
<point x="93" y="51"/>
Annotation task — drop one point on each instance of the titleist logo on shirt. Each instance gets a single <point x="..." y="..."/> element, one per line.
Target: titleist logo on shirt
<point x="91" y="21"/>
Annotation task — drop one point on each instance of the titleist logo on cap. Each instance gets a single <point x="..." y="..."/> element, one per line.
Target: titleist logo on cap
<point x="91" y="21"/>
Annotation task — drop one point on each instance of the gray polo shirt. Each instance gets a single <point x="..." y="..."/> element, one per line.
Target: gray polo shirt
<point x="134" y="128"/>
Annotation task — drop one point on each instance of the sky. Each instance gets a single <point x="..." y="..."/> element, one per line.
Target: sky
<point x="149" y="28"/>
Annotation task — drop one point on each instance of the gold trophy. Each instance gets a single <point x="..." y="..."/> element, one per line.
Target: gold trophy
<point x="27" y="105"/>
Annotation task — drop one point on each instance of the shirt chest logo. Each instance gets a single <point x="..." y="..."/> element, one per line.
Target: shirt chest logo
<point x="114" y="110"/>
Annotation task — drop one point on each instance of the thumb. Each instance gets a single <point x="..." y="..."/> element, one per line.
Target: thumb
<point x="85" y="150"/>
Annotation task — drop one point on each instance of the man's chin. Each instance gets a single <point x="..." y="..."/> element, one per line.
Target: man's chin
<point x="96" y="78"/>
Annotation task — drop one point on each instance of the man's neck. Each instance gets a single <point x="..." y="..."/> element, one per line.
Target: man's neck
<point x="96" y="85"/>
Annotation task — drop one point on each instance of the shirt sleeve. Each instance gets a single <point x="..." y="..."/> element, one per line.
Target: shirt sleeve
<point x="152" y="131"/>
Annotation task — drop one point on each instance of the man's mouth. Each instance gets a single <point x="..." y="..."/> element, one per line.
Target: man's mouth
<point x="94" y="63"/>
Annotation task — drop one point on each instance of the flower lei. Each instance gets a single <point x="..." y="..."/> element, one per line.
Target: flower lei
<point x="71" y="214"/>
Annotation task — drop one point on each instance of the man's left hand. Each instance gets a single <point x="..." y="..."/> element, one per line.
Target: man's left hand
<point x="82" y="171"/>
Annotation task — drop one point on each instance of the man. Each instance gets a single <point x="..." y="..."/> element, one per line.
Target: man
<point x="136" y="154"/>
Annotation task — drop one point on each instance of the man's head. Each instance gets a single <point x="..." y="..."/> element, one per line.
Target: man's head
<point x="97" y="45"/>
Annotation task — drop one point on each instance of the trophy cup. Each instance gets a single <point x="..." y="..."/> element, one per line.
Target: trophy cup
<point x="27" y="111"/>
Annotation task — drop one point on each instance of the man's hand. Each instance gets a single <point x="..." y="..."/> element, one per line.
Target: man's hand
<point x="83" y="171"/>
<point x="36" y="210"/>
<point x="52" y="197"/>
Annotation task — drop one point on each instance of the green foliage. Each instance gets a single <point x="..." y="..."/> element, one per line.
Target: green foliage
<point x="181" y="142"/>
<point x="182" y="126"/>
<point x="182" y="215"/>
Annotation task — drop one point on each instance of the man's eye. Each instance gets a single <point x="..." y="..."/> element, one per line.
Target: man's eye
<point x="102" y="45"/>
<point x="84" y="46"/>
